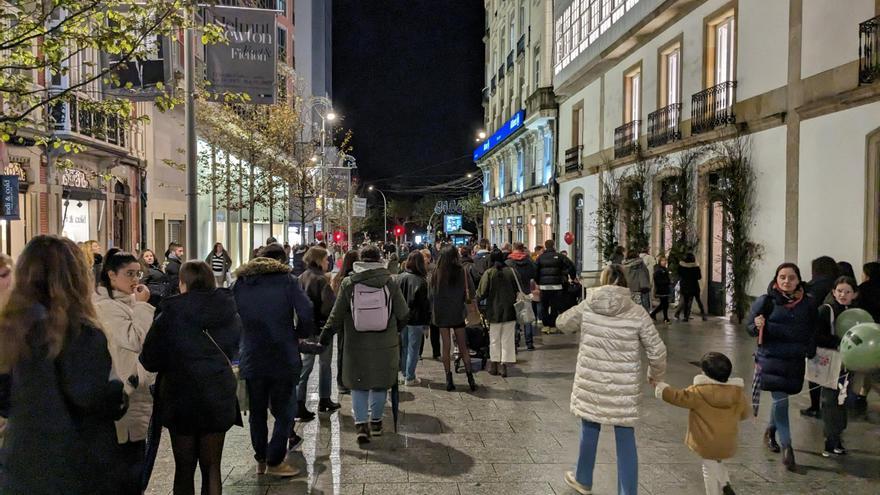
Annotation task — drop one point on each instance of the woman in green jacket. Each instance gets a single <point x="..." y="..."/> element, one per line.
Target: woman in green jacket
<point x="499" y="287"/>
<point x="370" y="358"/>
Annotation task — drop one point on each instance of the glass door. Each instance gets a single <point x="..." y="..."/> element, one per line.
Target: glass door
<point x="717" y="259"/>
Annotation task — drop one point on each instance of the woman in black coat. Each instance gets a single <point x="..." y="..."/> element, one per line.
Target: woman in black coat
<point x="56" y="387"/>
<point x="784" y="321"/>
<point x="154" y="278"/>
<point x="662" y="286"/>
<point x="689" y="275"/>
<point x="190" y="345"/>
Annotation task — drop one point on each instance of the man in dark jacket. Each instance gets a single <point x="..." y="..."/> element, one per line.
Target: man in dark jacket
<point x="269" y="299"/>
<point x="299" y="266"/>
<point x="481" y="261"/>
<point x="553" y="272"/>
<point x="172" y="268"/>
<point x="525" y="272"/>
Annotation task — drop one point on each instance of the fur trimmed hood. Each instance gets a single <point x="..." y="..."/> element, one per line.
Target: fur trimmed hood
<point x="261" y="266"/>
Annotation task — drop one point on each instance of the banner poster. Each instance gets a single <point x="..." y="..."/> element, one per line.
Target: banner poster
<point x="359" y="207"/>
<point x="246" y="64"/>
<point x="337" y="183"/>
<point x="9" y="208"/>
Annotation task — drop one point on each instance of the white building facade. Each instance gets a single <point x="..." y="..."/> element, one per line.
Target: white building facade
<point x="517" y="157"/>
<point x="652" y="79"/>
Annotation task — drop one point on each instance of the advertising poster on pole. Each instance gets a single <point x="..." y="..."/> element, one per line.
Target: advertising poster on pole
<point x="246" y="64"/>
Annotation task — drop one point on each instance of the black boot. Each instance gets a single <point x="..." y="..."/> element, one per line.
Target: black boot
<point x="303" y="415"/>
<point x="788" y="459"/>
<point x="471" y="382"/>
<point x="449" y="385"/>
<point x="770" y="440"/>
<point x="327" y="406"/>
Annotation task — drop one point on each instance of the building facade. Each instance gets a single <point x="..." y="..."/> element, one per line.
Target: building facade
<point x="649" y="81"/>
<point x="518" y="155"/>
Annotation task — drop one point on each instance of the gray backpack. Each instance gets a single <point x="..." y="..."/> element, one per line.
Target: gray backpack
<point x="370" y="308"/>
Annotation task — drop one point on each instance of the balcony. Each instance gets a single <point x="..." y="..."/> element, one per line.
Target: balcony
<point x="500" y="74"/>
<point x="493" y="85"/>
<point x="713" y="107"/>
<point x="521" y="45"/>
<point x="664" y="125"/>
<point x="573" y="162"/>
<point x="626" y="139"/>
<point x="73" y="117"/>
<point x="869" y="51"/>
<point x="510" y="60"/>
<point x="485" y="95"/>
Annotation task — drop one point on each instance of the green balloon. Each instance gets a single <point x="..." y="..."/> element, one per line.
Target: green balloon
<point x="860" y="347"/>
<point x="851" y="318"/>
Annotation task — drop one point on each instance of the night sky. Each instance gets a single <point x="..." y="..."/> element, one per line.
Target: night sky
<point x="407" y="77"/>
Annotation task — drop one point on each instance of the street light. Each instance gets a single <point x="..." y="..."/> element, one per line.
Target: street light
<point x="385" y="215"/>
<point x="481" y="135"/>
<point x="329" y="115"/>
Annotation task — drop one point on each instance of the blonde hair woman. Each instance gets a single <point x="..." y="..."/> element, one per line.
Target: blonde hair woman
<point x="63" y="402"/>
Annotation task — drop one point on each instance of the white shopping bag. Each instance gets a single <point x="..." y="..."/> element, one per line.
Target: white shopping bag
<point x="824" y="368"/>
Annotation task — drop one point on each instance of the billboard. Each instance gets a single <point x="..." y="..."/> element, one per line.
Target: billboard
<point x="246" y="64"/>
<point x="451" y="223"/>
<point x="501" y="134"/>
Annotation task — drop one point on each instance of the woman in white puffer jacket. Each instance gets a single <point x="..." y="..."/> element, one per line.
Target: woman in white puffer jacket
<point x="608" y="380"/>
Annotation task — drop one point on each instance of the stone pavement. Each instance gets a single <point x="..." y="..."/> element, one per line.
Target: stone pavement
<point x="516" y="436"/>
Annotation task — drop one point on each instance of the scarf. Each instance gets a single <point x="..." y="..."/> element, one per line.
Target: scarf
<point x="789" y="301"/>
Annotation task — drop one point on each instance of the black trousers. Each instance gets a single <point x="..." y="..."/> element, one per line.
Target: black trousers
<point x="132" y="457"/>
<point x="552" y="304"/>
<point x="435" y="342"/>
<point x="833" y="417"/>
<point x="687" y="300"/>
<point x="663" y="306"/>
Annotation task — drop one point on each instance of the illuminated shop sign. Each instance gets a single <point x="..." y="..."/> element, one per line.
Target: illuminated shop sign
<point x="501" y="134"/>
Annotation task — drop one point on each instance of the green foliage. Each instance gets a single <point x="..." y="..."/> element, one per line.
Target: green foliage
<point x="607" y="213"/>
<point x="636" y="202"/>
<point x="682" y="194"/>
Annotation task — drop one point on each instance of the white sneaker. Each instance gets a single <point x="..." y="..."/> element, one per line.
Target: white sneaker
<point x="414" y="382"/>
<point x="283" y="470"/>
<point x="573" y="483"/>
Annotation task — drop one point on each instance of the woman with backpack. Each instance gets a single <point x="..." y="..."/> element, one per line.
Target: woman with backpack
<point x="368" y="311"/>
<point x="414" y="287"/>
<point x="190" y="346"/>
<point x="499" y="287"/>
<point x="784" y="321"/>
<point x="450" y="290"/>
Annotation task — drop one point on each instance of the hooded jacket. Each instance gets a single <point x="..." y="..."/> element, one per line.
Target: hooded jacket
<point x="369" y="359"/>
<point x="689" y="274"/>
<point x="716" y="409"/>
<point x="637" y="278"/>
<point x="481" y="264"/>
<point x="524" y="268"/>
<point x="126" y="322"/>
<point x="608" y="377"/>
<point x="196" y="383"/>
<point x="788" y="338"/>
<point x="269" y="300"/>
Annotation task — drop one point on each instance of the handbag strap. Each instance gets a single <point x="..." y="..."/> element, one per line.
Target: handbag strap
<point x="205" y="331"/>
<point x="467" y="290"/>
<point x="831" y="318"/>
<point x="516" y="277"/>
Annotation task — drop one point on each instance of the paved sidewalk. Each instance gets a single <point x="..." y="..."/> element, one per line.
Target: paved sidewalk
<point x="516" y="436"/>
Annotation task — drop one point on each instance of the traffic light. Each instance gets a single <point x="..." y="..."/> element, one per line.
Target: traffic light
<point x="337" y="237"/>
<point x="398" y="231"/>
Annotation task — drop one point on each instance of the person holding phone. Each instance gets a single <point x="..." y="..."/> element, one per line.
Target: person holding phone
<point x="121" y="302"/>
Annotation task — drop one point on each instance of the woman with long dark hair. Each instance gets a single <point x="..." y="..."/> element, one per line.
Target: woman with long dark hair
<point x="123" y="310"/>
<point x="450" y="290"/>
<point x="783" y="320"/>
<point x="62" y="403"/>
<point x="154" y="278"/>
<point x="414" y="286"/>
<point x="190" y="346"/>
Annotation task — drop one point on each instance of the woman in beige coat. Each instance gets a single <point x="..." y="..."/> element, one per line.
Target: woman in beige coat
<point x="608" y="380"/>
<point x="126" y="316"/>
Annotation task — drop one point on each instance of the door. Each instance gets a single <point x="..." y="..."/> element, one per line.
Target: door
<point x="577" y="229"/>
<point x="716" y="273"/>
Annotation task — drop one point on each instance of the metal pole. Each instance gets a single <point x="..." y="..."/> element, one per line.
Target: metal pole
<point x="385" y="215"/>
<point x="348" y="209"/>
<point x="323" y="180"/>
<point x="192" y="175"/>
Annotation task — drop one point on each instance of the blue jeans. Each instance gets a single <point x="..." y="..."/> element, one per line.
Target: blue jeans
<point x="410" y="348"/>
<point x="529" y="333"/>
<point x="368" y="405"/>
<point x="325" y="374"/>
<point x="779" y="418"/>
<point x="627" y="457"/>
<point x="276" y="395"/>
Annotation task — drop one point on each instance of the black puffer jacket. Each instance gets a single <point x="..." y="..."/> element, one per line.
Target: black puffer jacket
<point x="826" y="336"/>
<point x="415" y="291"/>
<point x="172" y="272"/>
<point x="157" y="282"/>
<point x="689" y="275"/>
<point x="661" y="281"/>
<point x="196" y="384"/>
<point x="524" y="268"/>
<point x="788" y="338"/>
<point x="554" y="268"/>
<point x="869" y="298"/>
<point x="317" y="286"/>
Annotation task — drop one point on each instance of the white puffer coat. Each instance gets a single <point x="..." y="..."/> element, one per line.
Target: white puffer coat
<point x="126" y="323"/>
<point x="608" y="379"/>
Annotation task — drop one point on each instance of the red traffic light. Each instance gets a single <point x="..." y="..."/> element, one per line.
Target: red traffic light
<point x="398" y="231"/>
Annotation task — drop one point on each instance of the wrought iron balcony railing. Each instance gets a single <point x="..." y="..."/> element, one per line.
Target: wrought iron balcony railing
<point x="521" y="45"/>
<point x="573" y="161"/>
<point x="626" y="139"/>
<point x="664" y="125"/>
<point x="510" y="60"/>
<point x="869" y="51"/>
<point x="713" y="107"/>
<point x="70" y="116"/>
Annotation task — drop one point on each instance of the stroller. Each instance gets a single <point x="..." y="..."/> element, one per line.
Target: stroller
<point x="478" y="344"/>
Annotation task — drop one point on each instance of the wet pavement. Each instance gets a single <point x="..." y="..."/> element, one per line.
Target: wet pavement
<point x="515" y="435"/>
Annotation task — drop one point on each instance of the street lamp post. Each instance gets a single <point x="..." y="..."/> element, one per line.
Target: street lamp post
<point x="328" y="115"/>
<point x="385" y="214"/>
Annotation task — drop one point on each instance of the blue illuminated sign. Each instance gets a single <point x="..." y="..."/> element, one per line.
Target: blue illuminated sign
<point x="501" y="134"/>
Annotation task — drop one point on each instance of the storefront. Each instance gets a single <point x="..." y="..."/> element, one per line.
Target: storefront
<point x="16" y="230"/>
<point x="82" y="206"/>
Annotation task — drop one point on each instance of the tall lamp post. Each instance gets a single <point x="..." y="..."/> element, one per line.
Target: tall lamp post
<point x="385" y="214"/>
<point x="328" y="116"/>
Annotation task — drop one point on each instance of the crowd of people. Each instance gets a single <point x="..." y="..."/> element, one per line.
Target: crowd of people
<point x="101" y="351"/>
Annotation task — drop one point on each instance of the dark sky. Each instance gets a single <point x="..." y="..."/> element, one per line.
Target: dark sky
<point x="407" y="76"/>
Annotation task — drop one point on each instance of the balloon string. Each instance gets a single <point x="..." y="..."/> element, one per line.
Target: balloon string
<point x="843" y="390"/>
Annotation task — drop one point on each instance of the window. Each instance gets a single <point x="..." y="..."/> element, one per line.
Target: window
<point x="522" y="16"/>
<point x="720" y="48"/>
<point x="670" y="75"/>
<point x="537" y="66"/>
<point x="548" y="163"/>
<point x="577" y="124"/>
<point x="487" y="184"/>
<point x="537" y="165"/>
<point x="581" y="24"/>
<point x="282" y="44"/>
<point x="502" y="179"/>
<point x="520" y="172"/>
<point x="512" y="33"/>
<point x="632" y="95"/>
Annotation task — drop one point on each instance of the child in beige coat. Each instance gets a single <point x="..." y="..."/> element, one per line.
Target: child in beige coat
<point x="717" y="404"/>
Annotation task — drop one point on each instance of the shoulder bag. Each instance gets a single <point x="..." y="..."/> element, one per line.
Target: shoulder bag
<point x="525" y="315"/>
<point x="824" y="368"/>
<point x="472" y="318"/>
